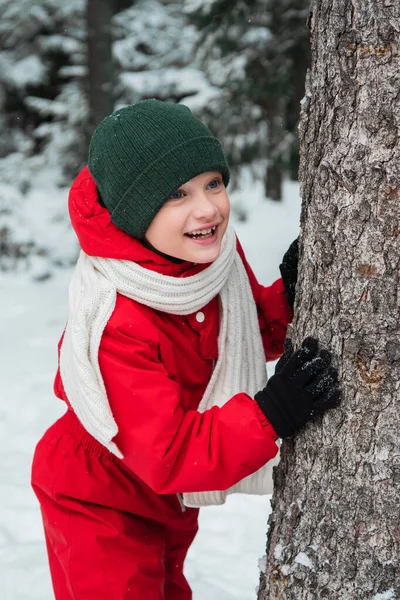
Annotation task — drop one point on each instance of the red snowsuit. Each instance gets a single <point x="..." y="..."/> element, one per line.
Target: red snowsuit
<point x="116" y="529"/>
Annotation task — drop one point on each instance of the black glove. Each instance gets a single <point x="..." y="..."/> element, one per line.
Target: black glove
<point x="303" y="386"/>
<point x="288" y="270"/>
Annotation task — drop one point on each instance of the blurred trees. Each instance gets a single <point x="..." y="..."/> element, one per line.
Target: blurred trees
<point x="257" y="53"/>
<point x="238" y="65"/>
<point x="42" y="57"/>
<point x="153" y="52"/>
<point x="42" y="108"/>
<point x="245" y="61"/>
<point x="100" y="75"/>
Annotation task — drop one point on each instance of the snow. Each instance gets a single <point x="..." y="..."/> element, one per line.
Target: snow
<point x="303" y="559"/>
<point x="186" y="82"/>
<point x="58" y="42"/>
<point x="389" y="595"/>
<point x="29" y="70"/>
<point x="194" y="5"/>
<point x="145" y="38"/>
<point x="285" y="570"/>
<point x="270" y="228"/>
<point x="278" y="551"/>
<point x="262" y="563"/>
<point x="256" y="34"/>
<point x="223" y="561"/>
<point x="46" y="107"/>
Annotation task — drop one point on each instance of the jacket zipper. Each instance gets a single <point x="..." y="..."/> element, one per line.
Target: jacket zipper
<point x="180" y="498"/>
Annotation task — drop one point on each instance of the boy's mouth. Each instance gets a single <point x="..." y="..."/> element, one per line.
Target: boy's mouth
<point x="202" y="234"/>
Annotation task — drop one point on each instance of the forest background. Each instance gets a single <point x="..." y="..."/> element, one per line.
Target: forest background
<point x="240" y="66"/>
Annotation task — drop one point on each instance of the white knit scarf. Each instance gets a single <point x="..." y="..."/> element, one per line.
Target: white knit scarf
<point x="240" y="366"/>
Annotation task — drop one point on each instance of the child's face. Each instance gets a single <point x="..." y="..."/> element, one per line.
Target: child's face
<point x="198" y="206"/>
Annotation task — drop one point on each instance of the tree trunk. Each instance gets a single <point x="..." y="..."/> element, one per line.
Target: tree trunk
<point x="335" y="526"/>
<point x="100" y="63"/>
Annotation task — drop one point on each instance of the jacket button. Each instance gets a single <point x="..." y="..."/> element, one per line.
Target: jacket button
<point x="200" y="317"/>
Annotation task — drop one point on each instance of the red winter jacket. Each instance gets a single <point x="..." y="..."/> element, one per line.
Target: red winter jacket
<point x="156" y="367"/>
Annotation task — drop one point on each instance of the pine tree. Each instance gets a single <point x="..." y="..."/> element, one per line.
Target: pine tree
<point x="153" y="50"/>
<point x="44" y="106"/>
<point x="100" y="67"/>
<point x="256" y="53"/>
<point x="42" y="55"/>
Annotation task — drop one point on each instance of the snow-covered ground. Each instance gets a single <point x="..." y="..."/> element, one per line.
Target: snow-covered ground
<point x="223" y="562"/>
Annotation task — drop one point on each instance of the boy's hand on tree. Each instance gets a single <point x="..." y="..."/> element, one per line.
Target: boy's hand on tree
<point x="288" y="269"/>
<point x="304" y="385"/>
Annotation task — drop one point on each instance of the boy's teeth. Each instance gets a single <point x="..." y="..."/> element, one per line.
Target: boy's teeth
<point x="202" y="233"/>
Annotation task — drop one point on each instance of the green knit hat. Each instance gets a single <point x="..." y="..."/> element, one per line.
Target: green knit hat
<point x="140" y="154"/>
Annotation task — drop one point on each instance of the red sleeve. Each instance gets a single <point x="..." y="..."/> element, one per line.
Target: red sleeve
<point x="170" y="449"/>
<point x="274" y="313"/>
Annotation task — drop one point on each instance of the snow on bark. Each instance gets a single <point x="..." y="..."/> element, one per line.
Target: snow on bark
<point x="335" y="527"/>
<point x="389" y="595"/>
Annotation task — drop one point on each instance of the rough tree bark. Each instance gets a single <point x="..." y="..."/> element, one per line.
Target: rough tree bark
<point x="335" y="526"/>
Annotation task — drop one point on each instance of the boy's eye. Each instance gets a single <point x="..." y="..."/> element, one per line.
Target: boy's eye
<point x="214" y="184"/>
<point x="176" y="195"/>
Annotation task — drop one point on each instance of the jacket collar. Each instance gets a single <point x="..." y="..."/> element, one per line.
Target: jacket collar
<point x="98" y="236"/>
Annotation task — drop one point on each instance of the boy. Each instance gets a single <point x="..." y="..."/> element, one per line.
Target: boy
<point x="162" y="363"/>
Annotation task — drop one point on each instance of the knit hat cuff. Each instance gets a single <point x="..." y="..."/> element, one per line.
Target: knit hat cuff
<point x="149" y="192"/>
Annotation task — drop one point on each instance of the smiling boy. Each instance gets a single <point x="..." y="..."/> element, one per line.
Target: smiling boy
<point x="196" y="217"/>
<point x="162" y="363"/>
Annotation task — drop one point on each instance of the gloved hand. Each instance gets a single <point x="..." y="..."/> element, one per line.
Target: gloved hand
<point x="303" y="386"/>
<point x="288" y="269"/>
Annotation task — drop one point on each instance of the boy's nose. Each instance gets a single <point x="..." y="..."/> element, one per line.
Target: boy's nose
<point x="204" y="208"/>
